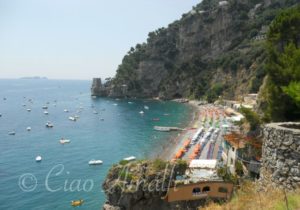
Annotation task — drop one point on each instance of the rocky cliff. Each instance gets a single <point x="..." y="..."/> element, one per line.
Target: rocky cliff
<point x="143" y="185"/>
<point x="215" y="49"/>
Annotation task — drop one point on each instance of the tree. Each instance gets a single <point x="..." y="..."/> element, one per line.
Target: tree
<point x="283" y="67"/>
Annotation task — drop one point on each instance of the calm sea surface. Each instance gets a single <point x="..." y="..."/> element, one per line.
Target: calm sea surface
<point x="64" y="173"/>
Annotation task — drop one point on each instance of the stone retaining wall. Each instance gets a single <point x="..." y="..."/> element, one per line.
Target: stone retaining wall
<point x="281" y="154"/>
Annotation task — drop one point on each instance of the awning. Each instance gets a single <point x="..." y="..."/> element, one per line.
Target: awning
<point x="208" y="164"/>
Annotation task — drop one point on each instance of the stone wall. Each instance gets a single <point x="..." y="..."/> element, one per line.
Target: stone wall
<point x="281" y="154"/>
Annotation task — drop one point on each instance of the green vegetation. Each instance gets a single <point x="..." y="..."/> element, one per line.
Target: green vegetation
<point x="181" y="166"/>
<point x="248" y="197"/>
<point x="283" y="67"/>
<point x="239" y="168"/>
<point x="123" y="162"/>
<point x="224" y="173"/>
<point x="251" y="117"/>
<point x="159" y="164"/>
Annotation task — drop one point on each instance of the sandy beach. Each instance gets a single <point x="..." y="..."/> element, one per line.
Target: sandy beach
<point x="175" y="143"/>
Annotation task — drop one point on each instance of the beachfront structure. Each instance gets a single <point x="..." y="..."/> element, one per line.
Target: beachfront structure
<point x="201" y="190"/>
<point x="201" y="182"/>
<point x="230" y="152"/>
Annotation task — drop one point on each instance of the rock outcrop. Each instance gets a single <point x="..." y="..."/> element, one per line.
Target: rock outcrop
<point x="281" y="154"/>
<point x="143" y="185"/>
<point x="98" y="89"/>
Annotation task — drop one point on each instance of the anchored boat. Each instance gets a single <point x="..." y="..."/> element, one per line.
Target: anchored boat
<point x="95" y="162"/>
<point x="77" y="202"/>
<point x="38" y="158"/>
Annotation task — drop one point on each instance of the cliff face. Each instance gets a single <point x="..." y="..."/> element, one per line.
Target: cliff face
<point x="215" y="49"/>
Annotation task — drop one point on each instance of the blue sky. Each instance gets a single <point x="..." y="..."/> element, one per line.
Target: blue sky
<point x="77" y="39"/>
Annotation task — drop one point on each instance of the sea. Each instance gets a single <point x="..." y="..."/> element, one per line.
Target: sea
<point x="106" y="129"/>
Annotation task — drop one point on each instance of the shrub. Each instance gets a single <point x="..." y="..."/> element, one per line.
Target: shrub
<point x="251" y="117"/>
<point x="159" y="164"/>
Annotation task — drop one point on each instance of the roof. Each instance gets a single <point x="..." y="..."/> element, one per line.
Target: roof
<point x="208" y="164"/>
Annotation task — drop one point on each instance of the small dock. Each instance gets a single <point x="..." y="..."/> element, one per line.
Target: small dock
<point x="167" y="129"/>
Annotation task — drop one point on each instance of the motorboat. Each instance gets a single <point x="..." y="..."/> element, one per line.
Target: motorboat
<point x="49" y="125"/>
<point x="146" y="107"/>
<point x="115" y="104"/>
<point x="65" y="110"/>
<point x="95" y="162"/>
<point x="46" y="113"/>
<point x="77" y="203"/>
<point x="44" y="107"/>
<point x="12" y="133"/>
<point x="28" y="128"/>
<point x="28" y="110"/>
<point x="141" y="112"/>
<point x="155" y="119"/>
<point x="38" y="158"/>
<point x="129" y="102"/>
<point x="64" y="141"/>
<point x="72" y="118"/>
<point x="131" y="158"/>
<point x="95" y="112"/>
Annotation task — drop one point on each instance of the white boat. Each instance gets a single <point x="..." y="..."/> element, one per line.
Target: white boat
<point x="28" y="110"/>
<point x="95" y="112"/>
<point x="38" y="158"/>
<point x="94" y="97"/>
<point x="129" y="102"/>
<point x="64" y="141"/>
<point x="115" y="104"/>
<point x="46" y="113"/>
<point x="95" y="162"/>
<point x="49" y="125"/>
<point x="44" y="107"/>
<point x="28" y="128"/>
<point x="65" y="110"/>
<point x="131" y="158"/>
<point x="72" y="118"/>
<point x="146" y="107"/>
<point x="141" y="112"/>
<point x="12" y="133"/>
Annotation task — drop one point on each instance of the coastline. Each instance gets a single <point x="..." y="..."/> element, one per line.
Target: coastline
<point x="175" y="142"/>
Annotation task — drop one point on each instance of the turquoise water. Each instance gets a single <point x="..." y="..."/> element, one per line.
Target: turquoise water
<point x="64" y="173"/>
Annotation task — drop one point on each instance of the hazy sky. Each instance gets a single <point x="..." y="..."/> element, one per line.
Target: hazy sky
<point x="77" y="39"/>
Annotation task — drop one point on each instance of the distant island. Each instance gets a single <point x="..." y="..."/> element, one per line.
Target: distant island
<point x="35" y="77"/>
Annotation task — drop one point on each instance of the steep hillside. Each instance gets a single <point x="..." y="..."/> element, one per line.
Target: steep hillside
<point x="215" y="49"/>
